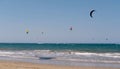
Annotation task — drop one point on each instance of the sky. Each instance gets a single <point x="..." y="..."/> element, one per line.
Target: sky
<point x="55" y="17"/>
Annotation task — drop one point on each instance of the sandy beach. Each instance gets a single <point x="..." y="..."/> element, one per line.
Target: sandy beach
<point x="25" y="65"/>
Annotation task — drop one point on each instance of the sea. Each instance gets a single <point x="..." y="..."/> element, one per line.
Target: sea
<point x="73" y="54"/>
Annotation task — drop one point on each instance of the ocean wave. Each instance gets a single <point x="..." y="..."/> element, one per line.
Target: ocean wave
<point x="63" y="55"/>
<point x="113" y="55"/>
<point x="56" y="53"/>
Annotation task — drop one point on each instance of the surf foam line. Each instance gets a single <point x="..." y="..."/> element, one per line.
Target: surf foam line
<point x="49" y="53"/>
<point x="85" y="60"/>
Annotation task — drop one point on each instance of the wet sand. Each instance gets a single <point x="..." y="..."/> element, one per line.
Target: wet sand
<point x="25" y="65"/>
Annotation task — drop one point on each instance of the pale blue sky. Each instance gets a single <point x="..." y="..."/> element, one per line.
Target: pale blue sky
<point x="55" y="17"/>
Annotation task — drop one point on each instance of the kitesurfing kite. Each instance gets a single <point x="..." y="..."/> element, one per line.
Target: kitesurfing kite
<point x="71" y="28"/>
<point x="91" y="13"/>
<point x="106" y="38"/>
<point x="27" y="31"/>
<point x="42" y="32"/>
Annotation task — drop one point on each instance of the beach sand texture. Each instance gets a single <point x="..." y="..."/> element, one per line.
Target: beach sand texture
<point x="24" y="65"/>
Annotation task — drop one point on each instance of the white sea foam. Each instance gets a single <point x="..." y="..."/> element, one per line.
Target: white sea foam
<point x="64" y="55"/>
<point x="113" y="55"/>
<point x="55" y="53"/>
<point x="86" y="60"/>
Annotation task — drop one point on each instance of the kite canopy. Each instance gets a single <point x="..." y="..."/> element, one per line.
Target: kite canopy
<point x="27" y="31"/>
<point x="91" y="13"/>
<point x="106" y="38"/>
<point x="42" y="32"/>
<point x="71" y="28"/>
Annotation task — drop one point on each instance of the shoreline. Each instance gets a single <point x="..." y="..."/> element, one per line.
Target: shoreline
<point x="6" y="64"/>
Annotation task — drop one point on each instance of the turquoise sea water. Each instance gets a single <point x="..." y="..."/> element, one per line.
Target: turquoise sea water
<point x="99" y="48"/>
<point x="69" y="53"/>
